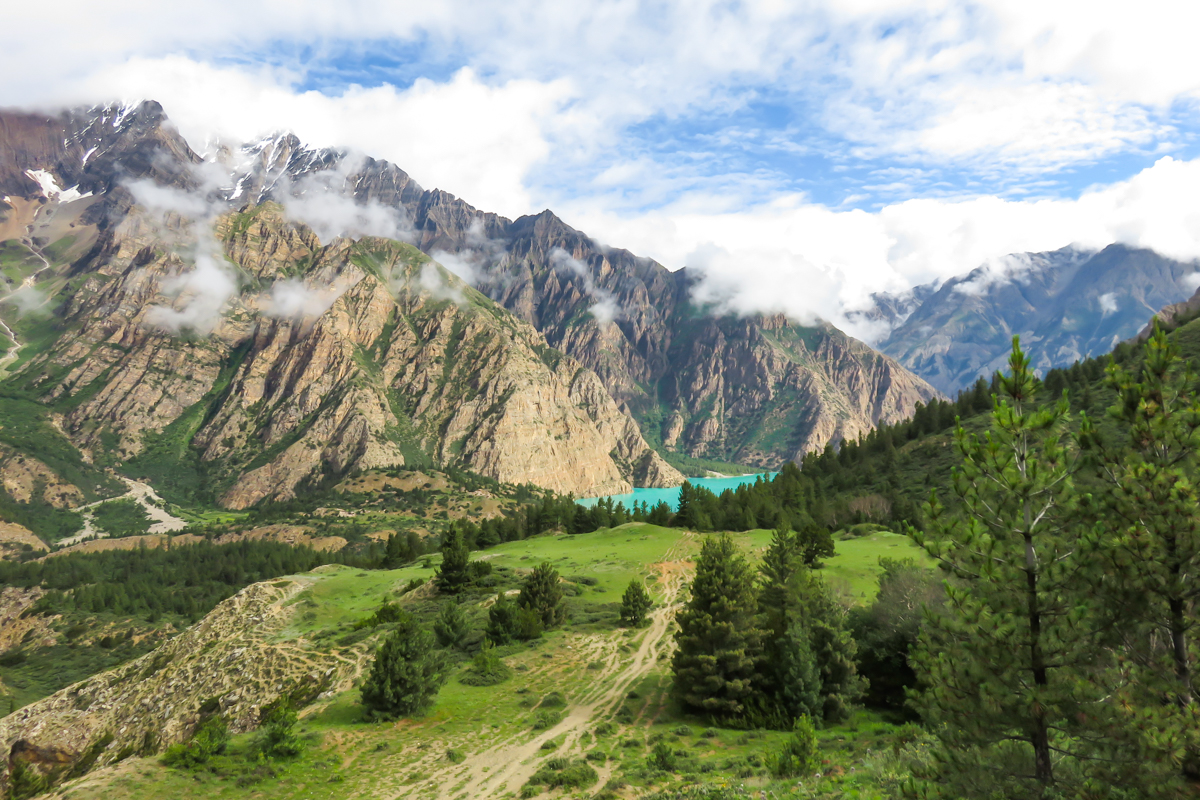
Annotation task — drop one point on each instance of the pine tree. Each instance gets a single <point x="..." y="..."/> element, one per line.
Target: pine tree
<point x="635" y="604"/>
<point x="502" y="621"/>
<point x="719" y="644"/>
<point x="1147" y="534"/>
<point x="543" y="595"/>
<point x="453" y="576"/>
<point x="1001" y="666"/>
<point x="406" y="673"/>
<point x="808" y="667"/>
<point x="451" y="627"/>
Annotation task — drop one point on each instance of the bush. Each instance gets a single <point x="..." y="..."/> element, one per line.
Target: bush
<point x="635" y="604"/>
<point x="277" y="737"/>
<point x="210" y="739"/>
<point x="799" y="753"/>
<point x="543" y="595"/>
<point x="451" y="627"/>
<point x="561" y="773"/>
<point x="487" y="669"/>
<point x="546" y="718"/>
<point x="663" y="757"/>
<point x="554" y="700"/>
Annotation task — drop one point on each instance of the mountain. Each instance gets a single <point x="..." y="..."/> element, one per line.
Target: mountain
<point x="754" y="390"/>
<point x="1066" y="305"/>
<point x="200" y="320"/>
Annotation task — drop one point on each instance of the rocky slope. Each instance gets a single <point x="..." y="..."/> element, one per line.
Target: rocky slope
<point x="1065" y="305"/>
<point x="320" y="359"/>
<point x="234" y="660"/>
<point x="752" y="390"/>
<point x="700" y="386"/>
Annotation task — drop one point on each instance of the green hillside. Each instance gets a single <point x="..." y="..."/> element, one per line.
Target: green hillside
<point x="493" y="741"/>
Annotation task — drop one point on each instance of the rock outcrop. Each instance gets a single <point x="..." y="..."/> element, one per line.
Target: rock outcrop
<point x="328" y="358"/>
<point x="233" y="662"/>
<point x="678" y="373"/>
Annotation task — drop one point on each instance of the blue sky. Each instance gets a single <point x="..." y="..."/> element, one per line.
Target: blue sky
<point x="799" y="154"/>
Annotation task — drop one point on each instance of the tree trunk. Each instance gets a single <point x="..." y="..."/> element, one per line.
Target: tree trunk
<point x="1039" y="735"/>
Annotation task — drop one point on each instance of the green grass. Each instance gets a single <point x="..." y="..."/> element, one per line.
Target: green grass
<point x="350" y="758"/>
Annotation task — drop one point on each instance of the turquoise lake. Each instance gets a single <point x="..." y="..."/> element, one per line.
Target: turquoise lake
<point x="671" y="496"/>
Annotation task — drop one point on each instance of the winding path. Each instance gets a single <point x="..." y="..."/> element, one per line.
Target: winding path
<point x="506" y="767"/>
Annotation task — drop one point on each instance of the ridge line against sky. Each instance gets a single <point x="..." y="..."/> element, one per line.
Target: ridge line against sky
<point x="800" y="155"/>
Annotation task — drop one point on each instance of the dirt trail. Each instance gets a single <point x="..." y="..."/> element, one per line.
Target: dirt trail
<point x="507" y="766"/>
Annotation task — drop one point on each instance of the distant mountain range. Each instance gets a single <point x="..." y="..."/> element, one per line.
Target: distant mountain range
<point x="196" y="320"/>
<point x="1066" y="305"/>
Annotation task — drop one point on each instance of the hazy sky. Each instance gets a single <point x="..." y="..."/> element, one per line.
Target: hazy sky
<point x="801" y="153"/>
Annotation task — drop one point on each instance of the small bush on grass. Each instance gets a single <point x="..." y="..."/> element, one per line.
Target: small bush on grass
<point x="209" y="740"/>
<point x="277" y="737"/>
<point x="487" y="669"/>
<point x="562" y="773"/>
<point x="546" y="718"/>
<point x="798" y="755"/>
<point x="663" y="758"/>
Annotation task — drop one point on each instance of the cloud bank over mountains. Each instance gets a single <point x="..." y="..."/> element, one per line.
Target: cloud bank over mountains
<point x="801" y="155"/>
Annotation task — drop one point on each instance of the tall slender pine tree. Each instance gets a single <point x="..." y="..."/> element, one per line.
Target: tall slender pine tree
<point x="1002" y="666"/>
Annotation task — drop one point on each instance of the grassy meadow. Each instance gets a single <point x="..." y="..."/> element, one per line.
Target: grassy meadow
<point x="590" y="698"/>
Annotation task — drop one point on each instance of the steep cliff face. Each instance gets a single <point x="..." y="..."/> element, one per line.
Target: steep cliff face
<point x="327" y="358"/>
<point x="682" y="376"/>
<point x="1065" y="305"/>
<point x="685" y="376"/>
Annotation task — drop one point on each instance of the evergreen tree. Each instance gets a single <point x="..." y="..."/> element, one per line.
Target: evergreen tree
<point x="543" y="595"/>
<point x="635" y="604"/>
<point x="502" y="621"/>
<point x="406" y="673"/>
<point x="1146" y="532"/>
<point x="453" y="576"/>
<point x="451" y="627"/>
<point x="685" y="513"/>
<point x="1000" y="667"/>
<point x="719" y="643"/>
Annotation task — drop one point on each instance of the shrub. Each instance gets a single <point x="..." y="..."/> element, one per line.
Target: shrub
<point x="455" y="756"/>
<point x="554" y="700"/>
<point x="546" y="718"/>
<point x="277" y="736"/>
<point x="662" y="757"/>
<point x="487" y="669"/>
<point x="542" y="595"/>
<point x="798" y="755"/>
<point x="210" y="739"/>
<point x="635" y="604"/>
<point x="451" y="627"/>
<point x="561" y="773"/>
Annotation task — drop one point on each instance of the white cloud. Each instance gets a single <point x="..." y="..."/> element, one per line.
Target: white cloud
<point x="1108" y="303"/>
<point x="806" y="259"/>
<point x="995" y="86"/>
<point x="319" y="200"/>
<point x="464" y="136"/>
<point x="292" y="299"/>
<point x="430" y="282"/>
<point x="199" y="296"/>
<point x="606" y="309"/>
